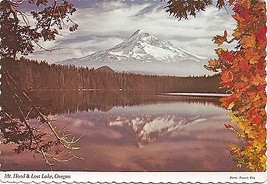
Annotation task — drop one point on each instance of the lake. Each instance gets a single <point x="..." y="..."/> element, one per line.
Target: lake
<point x="135" y="132"/>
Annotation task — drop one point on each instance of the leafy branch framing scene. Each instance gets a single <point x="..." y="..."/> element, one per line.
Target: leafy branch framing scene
<point x="117" y="91"/>
<point x="242" y="73"/>
<point x="18" y="37"/>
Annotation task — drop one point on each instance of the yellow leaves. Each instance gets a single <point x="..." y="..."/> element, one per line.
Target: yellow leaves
<point x="248" y="41"/>
<point x="243" y="73"/>
<point x="214" y="65"/>
<point x="231" y="105"/>
<point x="235" y="119"/>
<point x="244" y="78"/>
<point x="244" y="126"/>
<point x="257" y="79"/>
<point x="250" y="132"/>
<point x="247" y="3"/>
<point x="219" y="40"/>
<point x="257" y="146"/>
<point x="237" y="34"/>
<point x="263" y="161"/>
<point x="234" y="148"/>
<point x="219" y="51"/>
<point x="257" y="103"/>
<point x="250" y="95"/>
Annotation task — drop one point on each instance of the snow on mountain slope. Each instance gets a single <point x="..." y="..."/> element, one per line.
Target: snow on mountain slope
<point x="144" y="53"/>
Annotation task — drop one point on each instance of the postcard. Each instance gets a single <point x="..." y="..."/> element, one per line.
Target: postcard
<point x="132" y="91"/>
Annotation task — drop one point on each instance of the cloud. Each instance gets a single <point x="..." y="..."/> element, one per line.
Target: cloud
<point x="108" y="23"/>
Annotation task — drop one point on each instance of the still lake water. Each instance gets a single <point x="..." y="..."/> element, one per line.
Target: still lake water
<point x="137" y="133"/>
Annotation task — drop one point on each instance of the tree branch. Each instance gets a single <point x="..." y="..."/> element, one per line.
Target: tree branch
<point x="62" y="139"/>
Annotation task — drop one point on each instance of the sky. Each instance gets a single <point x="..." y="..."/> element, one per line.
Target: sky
<point x="106" y="23"/>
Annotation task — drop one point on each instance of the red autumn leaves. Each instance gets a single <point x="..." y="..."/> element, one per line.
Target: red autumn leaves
<point x="243" y="75"/>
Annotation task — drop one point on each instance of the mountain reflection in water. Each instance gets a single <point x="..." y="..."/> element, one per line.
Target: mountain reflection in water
<point x="136" y="132"/>
<point x="147" y="129"/>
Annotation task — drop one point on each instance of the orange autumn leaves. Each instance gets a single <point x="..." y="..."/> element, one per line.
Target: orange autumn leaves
<point x="219" y="40"/>
<point x="243" y="74"/>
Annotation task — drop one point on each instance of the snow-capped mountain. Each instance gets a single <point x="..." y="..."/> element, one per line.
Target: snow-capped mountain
<point x="149" y="129"/>
<point x="144" y="53"/>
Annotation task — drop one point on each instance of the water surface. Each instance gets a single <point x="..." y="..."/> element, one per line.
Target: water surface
<point x="136" y="133"/>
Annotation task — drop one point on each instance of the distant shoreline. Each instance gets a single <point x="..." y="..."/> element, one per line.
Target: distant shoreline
<point x="197" y="94"/>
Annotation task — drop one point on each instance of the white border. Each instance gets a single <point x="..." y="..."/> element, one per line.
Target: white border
<point x="135" y="177"/>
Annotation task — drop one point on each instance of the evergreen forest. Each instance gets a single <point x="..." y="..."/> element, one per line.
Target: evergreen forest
<point x="31" y="75"/>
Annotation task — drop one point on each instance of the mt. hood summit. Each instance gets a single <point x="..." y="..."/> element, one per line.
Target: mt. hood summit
<point x="146" y="54"/>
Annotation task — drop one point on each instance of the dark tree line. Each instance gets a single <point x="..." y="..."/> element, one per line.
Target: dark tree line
<point x="37" y="76"/>
<point x="67" y="102"/>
